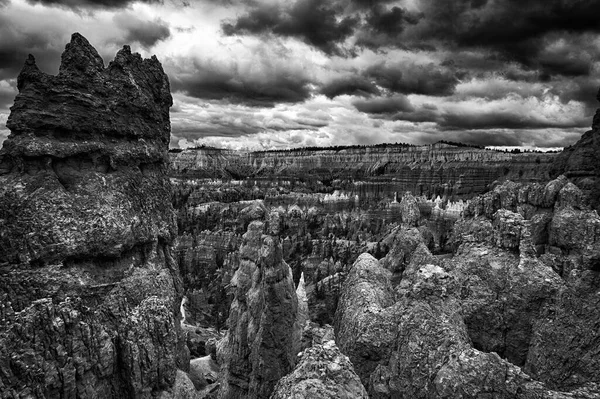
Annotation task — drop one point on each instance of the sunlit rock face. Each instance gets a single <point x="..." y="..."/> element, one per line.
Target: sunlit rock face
<point x="89" y="287"/>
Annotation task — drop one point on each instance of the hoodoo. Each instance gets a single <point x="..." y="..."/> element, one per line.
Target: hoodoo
<point x="89" y="287"/>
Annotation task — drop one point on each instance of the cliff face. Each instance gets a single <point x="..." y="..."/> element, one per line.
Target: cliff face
<point x="89" y="287"/>
<point x="439" y="169"/>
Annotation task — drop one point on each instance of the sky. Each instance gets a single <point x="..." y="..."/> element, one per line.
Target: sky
<point x="265" y="74"/>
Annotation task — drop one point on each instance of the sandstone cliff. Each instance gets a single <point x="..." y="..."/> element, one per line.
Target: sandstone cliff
<point x="90" y="288"/>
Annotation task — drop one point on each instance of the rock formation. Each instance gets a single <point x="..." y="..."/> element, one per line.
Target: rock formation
<point x="322" y="373"/>
<point x="425" y="349"/>
<point x="364" y="330"/>
<point x="259" y="345"/>
<point x="90" y="288"/>
<point x="527" y="262"/>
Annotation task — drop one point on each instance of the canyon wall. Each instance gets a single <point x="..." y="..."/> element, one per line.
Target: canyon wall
<point x="438" y="169"/>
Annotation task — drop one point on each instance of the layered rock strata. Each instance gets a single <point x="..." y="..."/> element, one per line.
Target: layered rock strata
<point x="90" y="288"/>
<point x="439" y="169"/>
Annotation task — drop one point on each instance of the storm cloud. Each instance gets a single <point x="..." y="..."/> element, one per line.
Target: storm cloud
<point x="385" y="105"/>
<point x="275" y="73"/>
<point x="412" y="78"/>
<point x="312" y="21"/>
<point x="91" y="4"/>
<point x="147" y="33"/>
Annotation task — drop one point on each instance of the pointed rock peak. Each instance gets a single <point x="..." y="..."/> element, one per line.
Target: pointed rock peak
<point x="80" y="57"/>
<point x="29" y="72"/>
<point x="30" y="60"/>
<point x="125" y="56"/>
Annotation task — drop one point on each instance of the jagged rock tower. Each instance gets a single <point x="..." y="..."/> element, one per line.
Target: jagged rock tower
<point x="89" y="290"/>
<point x="259" y="345"/>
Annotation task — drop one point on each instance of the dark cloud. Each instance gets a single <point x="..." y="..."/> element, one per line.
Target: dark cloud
<point x="546" y="139"/>
<point x="15" y="47"/>
<point x="384" y="105"/>
<point x="147" y="33"/>
<point x="352" y="85"/>
<point x="524" y="31"/>
<point x="383" y="26"/>
<point x="505" y="22"/>
<point x="91" y="4"/>
<point x="391" y="22"/>
<point x="410" y="78"/>
<point x="417" y="116"/>
<point x="582" y="89"/>
<point x="211" y="82"/>
<point x="194" y="130"/>
<point x="502" y="120"/>
<point x="312" y="21"/>
<point x="8" y="92"/>
<point x="366" y="4"/>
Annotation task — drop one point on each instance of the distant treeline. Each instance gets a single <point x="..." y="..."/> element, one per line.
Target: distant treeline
<point x="338" y="147"/>
<point x="526" y="151"/>
<point x="382" y="145"/>
<point x="197" y="147"/>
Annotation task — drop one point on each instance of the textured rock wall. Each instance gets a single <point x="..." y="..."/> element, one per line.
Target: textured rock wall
<point x="90" y="285"/>
<point x="259" y="344"/>
<point x="527" y="260"/>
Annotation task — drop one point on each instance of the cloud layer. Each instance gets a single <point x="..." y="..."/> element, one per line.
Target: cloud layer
<point x="275" y="73"/>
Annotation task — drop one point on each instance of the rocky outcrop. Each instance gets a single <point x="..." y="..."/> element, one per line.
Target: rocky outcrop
<point x="322" y="373"/>
<point x="86" y="227"/>
<point x="259" y="345"/>
<point x="429" y="352"/>
<point x="538" y="306"/>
